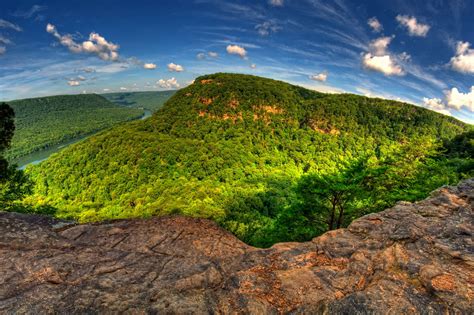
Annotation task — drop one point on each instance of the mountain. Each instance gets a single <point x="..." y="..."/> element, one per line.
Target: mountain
<point x="152" y="100"/>
<point x="45" y="121"/>
<point x="411" y="259"/>
<point x="260" y="157"/>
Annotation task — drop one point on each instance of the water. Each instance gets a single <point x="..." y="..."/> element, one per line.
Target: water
<point x="39" y="156"/>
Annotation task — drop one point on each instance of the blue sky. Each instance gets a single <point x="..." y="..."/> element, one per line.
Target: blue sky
<point x="416" y="51"/>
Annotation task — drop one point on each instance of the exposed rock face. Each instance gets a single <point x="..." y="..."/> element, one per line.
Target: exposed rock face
<point x="412" y="258"/>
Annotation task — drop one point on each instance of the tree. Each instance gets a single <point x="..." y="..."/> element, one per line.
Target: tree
<point x="14" y="184"/>
<point x="330" y="195"/>
<point x="7" y="128"/>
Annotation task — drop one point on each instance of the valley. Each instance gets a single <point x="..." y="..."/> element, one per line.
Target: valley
<point x="46" y="125"/>
<point x="252" y="154"/>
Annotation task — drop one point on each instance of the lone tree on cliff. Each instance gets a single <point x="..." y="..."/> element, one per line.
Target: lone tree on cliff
<point x="329" y="196"/>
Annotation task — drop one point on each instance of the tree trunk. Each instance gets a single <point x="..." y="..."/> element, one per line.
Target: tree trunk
<point x="341" y="214"/>
<point x="333" y="213"/>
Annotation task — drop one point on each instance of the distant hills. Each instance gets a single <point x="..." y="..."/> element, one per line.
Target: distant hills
<point x="45" y="121"/>
<point x="152" y="100"/>
<point x="249" y="152"/>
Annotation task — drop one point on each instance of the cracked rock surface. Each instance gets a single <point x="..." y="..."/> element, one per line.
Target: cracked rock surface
<point x="412" y="258"/>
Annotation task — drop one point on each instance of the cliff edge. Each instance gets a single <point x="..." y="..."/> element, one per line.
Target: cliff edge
<point x="412" y="258"/>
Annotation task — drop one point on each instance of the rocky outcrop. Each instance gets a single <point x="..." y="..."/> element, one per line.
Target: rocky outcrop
<point x="412" y="258"/>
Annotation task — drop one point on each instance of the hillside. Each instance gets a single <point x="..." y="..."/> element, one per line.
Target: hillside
<point x="45" y="121"/>
<point x="152" y="100"/>
<point x="411" y="259"/>
<point x="259" y="157"/>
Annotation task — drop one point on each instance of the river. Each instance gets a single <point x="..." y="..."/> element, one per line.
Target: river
<point x="39" y="156"/>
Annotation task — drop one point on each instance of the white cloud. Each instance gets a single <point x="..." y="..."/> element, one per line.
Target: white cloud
<point x="384" y="64"/>
<point x="175" y="68"/>
<point x="453" y="100"/>
<point x="149" y="66"/>
<point x="457" y="100"/>
<point x="8" y="25"/>
<point x="276" y="3"/>
<point x="321" y="77"/>
<point x="267" y="27"/>
<point x="437" y="105"/>
<point x="213" y="54"/>
<point x="236" y="50"/>
<point x="434" y="103"/>
<point x="414" y="27"/>
<point x="81" y="78"/>
<point x="96" y="44"/>
<point x="73" y="83"/>
<point x="378" y="59"/>
<point x="375" y="24"/>
<point x="253" y="66"/>
<point x="106" y="90"/>
<point x="464" y="59"/>
<point x="168" y="84"/>
<point x="123" y="88"/>
<point x="2" y="50"/>
<point x="379" y="46"/>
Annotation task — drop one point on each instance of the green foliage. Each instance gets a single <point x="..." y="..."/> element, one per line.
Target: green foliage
<point x="326" y="197"/>
<point x="13" y="183"/>
<point x="7" y="128"/>
<point x="45" y="121"/>
<point x="259" y="156"/>
<point x="152" y="100"/>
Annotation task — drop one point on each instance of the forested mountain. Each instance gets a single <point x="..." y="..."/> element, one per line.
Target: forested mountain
<point x="45" y="121"/>
<point x="267" y="160"/>
<point x="152" y="100"/>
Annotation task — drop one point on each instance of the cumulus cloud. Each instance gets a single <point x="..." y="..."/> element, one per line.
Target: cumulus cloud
<point x="149" y="66"/>
<point x="236" y="50"/>
<point x="253" y="66"/>
<point x="453" y="99"/>
<point x="96" y="44"/>
<point x="464" y="59"/>
<point x="122" y="88"/>
<point x="267" y="27"/>
<point x="458" y="100"/>
<point x="437" y="105"/>
<point x="414" y="27"/>
<point x="8" y="25"/>
<point x="384" y="64"/>
<point x="73" y="83"/>
<point x="213" y="54"/>
<point x="175" y="68"/>
<point x="276" y="3"/>
<point x="2" y="50"/>
<point x="375" y="24"/>
<point x="321" y="77"/>
<point x="168" y="84"/>
<point x="379" y="59"/>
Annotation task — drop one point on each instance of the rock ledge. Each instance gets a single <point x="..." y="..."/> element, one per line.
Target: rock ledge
<point x="412" y="258"/>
